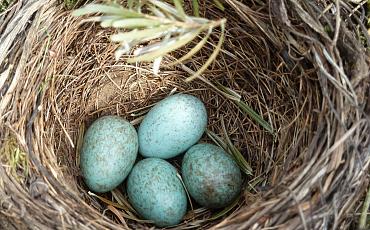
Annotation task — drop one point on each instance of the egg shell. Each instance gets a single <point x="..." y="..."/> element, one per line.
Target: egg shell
<point x="156" y="193"/>
<point x="172" y="126"/>
<point x="108" y="153"/>
<point x="211" y="176"/>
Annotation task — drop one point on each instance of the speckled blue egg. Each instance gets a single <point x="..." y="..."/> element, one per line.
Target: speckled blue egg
<point x="211" y="176"/>
<point x="108" y="153"/>
<point x="156" y="192"/>
<point x="172" y="126"/>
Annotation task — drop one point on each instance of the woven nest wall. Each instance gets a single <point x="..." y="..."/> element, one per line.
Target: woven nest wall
<point x="302" y="65"/>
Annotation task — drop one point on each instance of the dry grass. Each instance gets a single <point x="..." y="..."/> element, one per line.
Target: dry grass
<point x="311" y="85"/>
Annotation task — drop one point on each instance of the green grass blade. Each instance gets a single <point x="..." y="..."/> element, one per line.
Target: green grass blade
<point x="224" y="211"/>
<point x="212" y="57"/>
<point x="246" y="108"/>
<point x="102" y="18"/>
<point x="108" y="21"/>
<point x="186" y="191"/>
<point x="118" y="196"/>
<point x="229" y="91"/>
<point x="224" y="93"/>
<point x="253" y="183"/>
<point x="165" y="7"/>
<point x="245" y="166"/>
<point x="242" y="162"/>
<point x="199" y="20"/>
<point x="219" y="5"/>
<point x="193" y="51"/>
<point x="117" y="205"/>
<point x="216" y="139"/>
<point x="156" y="11"/>
<point x="166" y="47"/>
<point x="135" y="23"/>
<point x="196" y="8"/>
<point x="364" y="221"/>
<point x="231" y="149"/>
<point x="180" y="9"/>
<point x="143" y="35"/>
<point x="69" y="4"/>
<point x="255" y="116"/>
<point x="130" y="3"/>
<point x="105" y="9"/>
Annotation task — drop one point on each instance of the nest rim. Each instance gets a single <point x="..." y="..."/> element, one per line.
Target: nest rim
<point x="308" y="115"/>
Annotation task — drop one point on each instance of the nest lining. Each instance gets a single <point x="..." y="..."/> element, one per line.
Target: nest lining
<point x="310" y="174"/>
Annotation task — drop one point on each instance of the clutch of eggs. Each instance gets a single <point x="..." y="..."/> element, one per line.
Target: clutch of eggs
<point x="171" y="127"/>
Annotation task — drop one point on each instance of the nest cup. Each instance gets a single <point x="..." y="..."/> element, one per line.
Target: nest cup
<point x="307" y="78"/>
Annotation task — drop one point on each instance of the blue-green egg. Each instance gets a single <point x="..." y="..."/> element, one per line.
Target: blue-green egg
<point x="172" y="126"/>
<point x="109" y="151"/>
<point x="156" y="192"/>
<point x="211" y="176"/>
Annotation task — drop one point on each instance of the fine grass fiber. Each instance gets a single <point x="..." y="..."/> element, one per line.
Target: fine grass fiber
<point x="287" y="96"/>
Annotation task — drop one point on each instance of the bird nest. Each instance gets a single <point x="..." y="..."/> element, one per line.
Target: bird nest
<point x="288" y="90"/>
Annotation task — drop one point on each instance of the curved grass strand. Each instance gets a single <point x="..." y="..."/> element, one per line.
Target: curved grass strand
<point x="194" y="50"/>
<point x="212" y="57"/>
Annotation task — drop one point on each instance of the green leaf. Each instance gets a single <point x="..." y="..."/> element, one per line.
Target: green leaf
<point x="244" y="165"/>
<point x="194" y="50"/>
<point x="242" y="162"/>
<point x="219" y="5"/>
<point x="229" y="91"/>
<point x="101" y="18"/>
<point x="224" y="211"/>
<point x="231" y="149"/>
<point x="165" y="7"/>
<point x="117" y="205"/>
<point x="245" y="108"/>
<point x="200" y="20"/>
<point x="180" y="9"/>
<point x="130" y="3"/>
<point x="255" y="116"/>
<point x="143" y="35"/>
<point x="69" y="4"/>
<point x="105" y="9"/>
<point x="216" y="139"/>
<point x="108" y="21"/>
<point x="253" y="183"/>
<point x="135" y="23"/>
<point x="122" y="201"/>
<point x="212" y="57"/>
<point x="156" y="11"/>
<point x="165" y="47"/>
<point x="364" y="219"/>
<point x="196" y="8"/>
